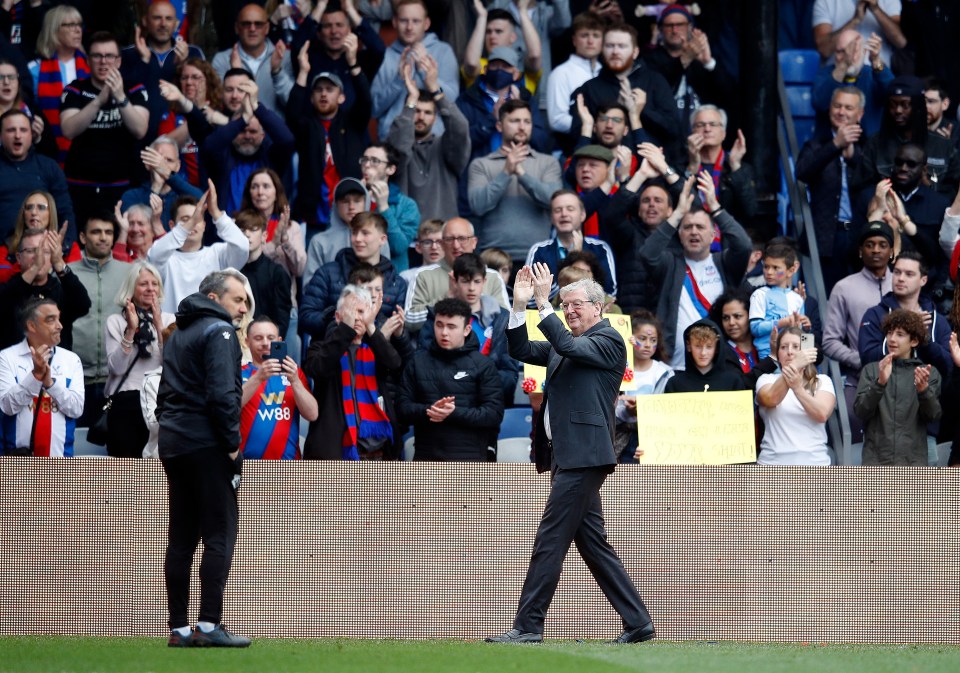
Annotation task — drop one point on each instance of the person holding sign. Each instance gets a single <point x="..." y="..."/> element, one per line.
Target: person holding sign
<point x="574" y="440"/>
<point x="795" y="405"/>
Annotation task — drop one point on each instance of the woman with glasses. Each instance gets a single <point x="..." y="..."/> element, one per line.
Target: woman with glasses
<point x="61" y="60"/>
<point x="197" y="86"/>
<point x="38" y="211"/>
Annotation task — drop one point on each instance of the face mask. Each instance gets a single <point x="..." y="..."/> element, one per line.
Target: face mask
<point x="498" y="79"/>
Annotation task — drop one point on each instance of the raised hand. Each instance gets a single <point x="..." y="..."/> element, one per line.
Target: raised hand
<point x="586" y="119"/>
<point x="276" y="58"/>
<point x="542" y="283"/>
<point x="684" y="203"/>
<point x="140" y="42"/>
<point x="921" y="378"/>
<point x="707" y="190"/>
<point x="303" y="57"/>
<point x="884" y="369"/>
<point x="738" y="151"/>
<point x="522" y="289"/>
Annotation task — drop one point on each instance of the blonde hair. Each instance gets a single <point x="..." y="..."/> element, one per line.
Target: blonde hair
<point x="47" y="41"/>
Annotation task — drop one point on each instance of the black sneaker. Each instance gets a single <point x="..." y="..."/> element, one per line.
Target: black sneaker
<point x="219" y="637"/>
<point x="176" y="640"/>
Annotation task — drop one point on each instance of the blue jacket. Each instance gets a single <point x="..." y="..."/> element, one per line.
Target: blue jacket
<point x="872" y="344"/>
<point x="19" y="178"/>
<point x="548" y="252"/>
<point x="403" y="220"/>
<point x="220" y="159"/>
<point x="321" y="293"/>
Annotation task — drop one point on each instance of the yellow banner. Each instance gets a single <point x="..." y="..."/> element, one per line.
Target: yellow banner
<point x="696" y="428"/>
<point x="534" y="375"/>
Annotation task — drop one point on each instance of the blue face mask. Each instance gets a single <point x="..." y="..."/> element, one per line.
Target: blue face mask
<point x="498" y="79"/>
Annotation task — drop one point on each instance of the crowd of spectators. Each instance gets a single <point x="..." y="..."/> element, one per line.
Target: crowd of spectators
<point x="379" y="170"/>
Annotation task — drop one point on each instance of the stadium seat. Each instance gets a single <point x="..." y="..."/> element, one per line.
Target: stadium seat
<point x="516" y="423"/>
<point x="408" y="447"/>
<point x="84" y="449"/>
<point x="799" y="66"/>
<point x="513" y="450"/>
<point x="804" y="128"/>
<point x="800" y="99"/>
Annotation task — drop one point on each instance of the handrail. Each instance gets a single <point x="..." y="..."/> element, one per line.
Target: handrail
<point x="838" y="426"/>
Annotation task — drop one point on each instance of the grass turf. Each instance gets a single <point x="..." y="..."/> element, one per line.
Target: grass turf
<point x="53" y="654"/>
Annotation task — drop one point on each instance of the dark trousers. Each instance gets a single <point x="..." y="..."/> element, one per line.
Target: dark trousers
<point x="92" y="403"/>
<point x="574" y="513"/>
<point x="203" y="506"/>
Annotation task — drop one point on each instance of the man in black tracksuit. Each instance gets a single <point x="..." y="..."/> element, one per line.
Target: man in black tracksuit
<point x="450" y="392"/>
<point x="198" y="408"/>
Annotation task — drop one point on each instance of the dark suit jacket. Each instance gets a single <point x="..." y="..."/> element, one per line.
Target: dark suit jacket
<point x="582" y="384"/>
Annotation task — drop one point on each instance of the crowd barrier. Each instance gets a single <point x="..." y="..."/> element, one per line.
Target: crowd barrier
<point x="401" y="550"/>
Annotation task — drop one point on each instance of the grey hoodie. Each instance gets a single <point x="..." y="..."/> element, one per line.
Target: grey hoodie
<point x="324" y="246"/>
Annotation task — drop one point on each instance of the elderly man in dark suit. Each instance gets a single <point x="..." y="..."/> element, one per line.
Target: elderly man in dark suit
<point x="574" y="440"/>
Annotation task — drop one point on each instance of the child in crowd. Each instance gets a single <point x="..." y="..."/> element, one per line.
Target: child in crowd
<point x="650" y="373"/>
<point x="428" y="248"/>
<point x="706" y="371"/>
<point x="898" y="395"/>
<point x="776" y="304"/>
<point x="499" y="261"/>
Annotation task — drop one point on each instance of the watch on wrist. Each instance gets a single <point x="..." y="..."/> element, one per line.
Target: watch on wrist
<point x="123" y="103"/>
<point x="438" y="92"/>
<point x="667" y="173"/>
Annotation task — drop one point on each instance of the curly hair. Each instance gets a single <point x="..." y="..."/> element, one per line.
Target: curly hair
<point x="910" y="322"/>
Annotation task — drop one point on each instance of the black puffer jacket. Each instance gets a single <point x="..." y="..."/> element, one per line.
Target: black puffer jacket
<point x="470" y="377"/>
<point x="198" y="401"/>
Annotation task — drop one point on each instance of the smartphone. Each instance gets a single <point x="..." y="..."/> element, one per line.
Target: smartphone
<point x="278" y="350"/>
<point x="806" y="341"/>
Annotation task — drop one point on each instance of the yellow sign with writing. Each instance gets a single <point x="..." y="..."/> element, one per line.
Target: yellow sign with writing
<point x="534" y="375"/>
<point x="696" y="428"/>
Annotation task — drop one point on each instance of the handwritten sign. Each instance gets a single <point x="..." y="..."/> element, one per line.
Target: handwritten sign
<point x="534" y="375"/>
<point x="696" y="428"/>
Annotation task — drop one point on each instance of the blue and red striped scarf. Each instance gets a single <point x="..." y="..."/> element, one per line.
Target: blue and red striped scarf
<point x="49" y="90"/>
<point x="360" y="402"/>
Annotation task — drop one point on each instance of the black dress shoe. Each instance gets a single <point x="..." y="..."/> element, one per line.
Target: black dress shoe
<point x="515" y="636"/>
<point x="637" y="635"/>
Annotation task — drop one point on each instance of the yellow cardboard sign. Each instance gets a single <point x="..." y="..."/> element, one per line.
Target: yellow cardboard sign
<point x="537" y="374"/>
<point x="696" y="428"/>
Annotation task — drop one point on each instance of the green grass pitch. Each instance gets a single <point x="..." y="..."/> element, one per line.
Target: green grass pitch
<point x="53" y="654"/>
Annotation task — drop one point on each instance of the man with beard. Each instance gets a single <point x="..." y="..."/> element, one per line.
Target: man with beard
<point x="332" y="134"/>
<point x="850" y="299"/>
<point x="102" y="276"/>
<point x="937" y="98"/>
<point x="827" y="164"/>
<point x="632" y="214"/>
<point x="430" y="166"/>
<point x="905" y="121"/>
<point x="917" y="210"/>
<point x="685" y="60"/>
<point x="509" y="190"/>
<point x="621" y="78"/>
<point x="256" y="137"/>
<point x="198" y="408"/>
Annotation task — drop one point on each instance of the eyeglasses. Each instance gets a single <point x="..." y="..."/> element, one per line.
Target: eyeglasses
<point x="713" y="125"/>
<point x="909" y="163"/>
<point x="247" y="25"/>
<point x="9" y="78"/>
<point x="674" y="26"/>
<point x="575" y="305"/>
<point x="462" y="240"/>
<point x="610" y="118"/>
<point x="372" y="160"/>
<point x="42" y="207"/>
<point x="72" y="24"/>
<point x="192" y="78"/>
<point x="26" y="252"/>
<point x="430" y="242"/>
<point x="106" y="58"/>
